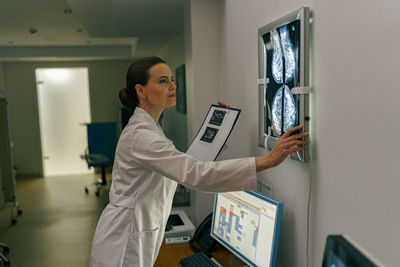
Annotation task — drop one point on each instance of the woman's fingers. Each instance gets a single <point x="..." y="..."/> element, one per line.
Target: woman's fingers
<point x="296" y="137"/>
<point x="295" y="149"/>
<point x="223" y="105"/>
<point x="292" y="130"/>
<point x="289" y="142"/>
<point x="296" y="143"/>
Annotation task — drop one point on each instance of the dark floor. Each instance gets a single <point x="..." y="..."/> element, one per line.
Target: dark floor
<point x="57" y="224"/>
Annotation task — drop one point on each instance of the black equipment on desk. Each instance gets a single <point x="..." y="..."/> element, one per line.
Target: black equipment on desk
<point x="203" y="238"/>
<point x="198" y="260"/>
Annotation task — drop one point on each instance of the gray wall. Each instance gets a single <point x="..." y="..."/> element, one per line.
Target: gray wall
<point x="175" y="123"/>
<point x="202" y="46"/>
<point x="105" y="80"/>
<point x="354" y="132"/>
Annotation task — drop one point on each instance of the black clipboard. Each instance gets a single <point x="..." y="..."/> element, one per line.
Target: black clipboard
<point x="215" y="130"/>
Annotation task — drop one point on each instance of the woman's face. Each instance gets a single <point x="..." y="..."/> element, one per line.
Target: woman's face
<point x="160" y="88"/>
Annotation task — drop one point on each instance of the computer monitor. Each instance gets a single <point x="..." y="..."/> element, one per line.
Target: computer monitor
<point x="341" y="251"/>
<point x="248" y="223"/>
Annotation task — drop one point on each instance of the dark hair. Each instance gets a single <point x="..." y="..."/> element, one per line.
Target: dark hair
<point x="138" y="73"/>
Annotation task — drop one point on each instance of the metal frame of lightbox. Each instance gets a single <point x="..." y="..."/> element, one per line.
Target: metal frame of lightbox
<point x="303" y="90"/>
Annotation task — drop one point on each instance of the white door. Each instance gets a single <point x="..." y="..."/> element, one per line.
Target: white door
<point x="63" y="100"/>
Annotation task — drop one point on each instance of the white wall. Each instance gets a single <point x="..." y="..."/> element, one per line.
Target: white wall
<point x="354" y="132"/>
<point x="356" y="68"/>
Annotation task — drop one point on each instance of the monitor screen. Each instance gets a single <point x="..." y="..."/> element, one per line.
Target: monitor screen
<point x="340" y="252"/>
<point x="248" y="224"/>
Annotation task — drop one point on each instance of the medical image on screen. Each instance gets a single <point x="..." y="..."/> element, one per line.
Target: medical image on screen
<point x="282" y="70"/>
<point x="209" y="135"/>
<point x="217" y="117"/>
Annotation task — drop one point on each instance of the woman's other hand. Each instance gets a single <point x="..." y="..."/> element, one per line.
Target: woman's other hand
<point x="287" y="144"/>
<point x="223" y="105"/>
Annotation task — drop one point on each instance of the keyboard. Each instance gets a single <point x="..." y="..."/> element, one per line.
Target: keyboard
<point x="199" y="259"/>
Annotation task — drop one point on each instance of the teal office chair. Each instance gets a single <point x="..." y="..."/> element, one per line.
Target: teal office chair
<point x="102" y="140"/>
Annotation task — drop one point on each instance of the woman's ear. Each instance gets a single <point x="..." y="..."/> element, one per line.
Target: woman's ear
<point x="140" y="91"/>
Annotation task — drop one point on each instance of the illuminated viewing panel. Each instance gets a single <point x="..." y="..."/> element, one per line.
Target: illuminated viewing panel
<point x="282" y="71"/>
<point x="287" y="106"/>
<point x="277" y="60"/>
<point x="282" y="40"/>
<point x="283" y="78"/>
<point x="248" y="224"/>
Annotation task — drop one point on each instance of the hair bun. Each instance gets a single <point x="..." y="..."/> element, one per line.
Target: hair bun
<point x="126" y="98"/>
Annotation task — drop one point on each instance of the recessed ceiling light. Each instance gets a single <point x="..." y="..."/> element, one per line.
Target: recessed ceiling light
<point x="33" y="31"/>
<point x="67" y="11"/>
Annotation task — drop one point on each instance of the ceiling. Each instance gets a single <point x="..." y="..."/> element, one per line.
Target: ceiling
<point x="65" y="29"/>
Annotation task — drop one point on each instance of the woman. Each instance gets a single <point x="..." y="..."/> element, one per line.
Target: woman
<point x="147" y="168"/>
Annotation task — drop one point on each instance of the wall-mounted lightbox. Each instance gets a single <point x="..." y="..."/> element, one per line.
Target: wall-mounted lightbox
<point x="283" y="71"/>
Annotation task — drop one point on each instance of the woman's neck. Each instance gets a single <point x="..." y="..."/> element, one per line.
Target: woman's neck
<point x="154" y="112"/>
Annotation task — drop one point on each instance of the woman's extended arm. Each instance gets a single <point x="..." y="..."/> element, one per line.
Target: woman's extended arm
<point x="286" y="145"/>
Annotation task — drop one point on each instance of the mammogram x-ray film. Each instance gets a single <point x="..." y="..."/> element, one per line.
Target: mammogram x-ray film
<point x="217" y="117"/>
<point x="282" y="70"/>
<point x="289" y="110"/>
<point x="209" y="135"/>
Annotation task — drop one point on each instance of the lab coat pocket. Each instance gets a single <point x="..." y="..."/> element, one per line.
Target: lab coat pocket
<point x="143" y="248"/>
<point x="145" y="231"/>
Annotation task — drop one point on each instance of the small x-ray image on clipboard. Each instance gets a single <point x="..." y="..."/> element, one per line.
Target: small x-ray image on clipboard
<point x="213" y="133"/>
<point x="217" y="117"/>
<point x="209" y="135"/>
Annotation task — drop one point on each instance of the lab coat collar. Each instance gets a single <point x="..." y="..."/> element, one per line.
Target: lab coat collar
<point x="143" y="115"/>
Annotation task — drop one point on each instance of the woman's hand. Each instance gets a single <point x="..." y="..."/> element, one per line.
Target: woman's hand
<point x="223" y="105"/>
<point x="287" y="144"/>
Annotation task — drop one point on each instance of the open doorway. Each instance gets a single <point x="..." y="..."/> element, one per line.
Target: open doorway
<point x="64" y="107"/>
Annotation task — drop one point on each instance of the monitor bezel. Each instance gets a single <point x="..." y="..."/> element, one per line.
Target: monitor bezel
<point x="350" y="252"/>
<point x="277" y="227"/>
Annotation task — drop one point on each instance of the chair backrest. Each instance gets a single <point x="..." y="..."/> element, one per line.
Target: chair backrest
<point x="102" y="138"/>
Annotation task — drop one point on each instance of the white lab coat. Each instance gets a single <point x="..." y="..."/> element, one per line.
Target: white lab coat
<point x="146" y="170"/>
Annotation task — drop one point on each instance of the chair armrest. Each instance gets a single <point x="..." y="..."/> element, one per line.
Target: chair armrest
<point x="98" y="160"/>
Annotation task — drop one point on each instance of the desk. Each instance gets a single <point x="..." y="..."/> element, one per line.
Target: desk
<point x="170" y="255"/>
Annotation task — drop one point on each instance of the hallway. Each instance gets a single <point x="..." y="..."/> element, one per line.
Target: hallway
<point x="57" y="224"/>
